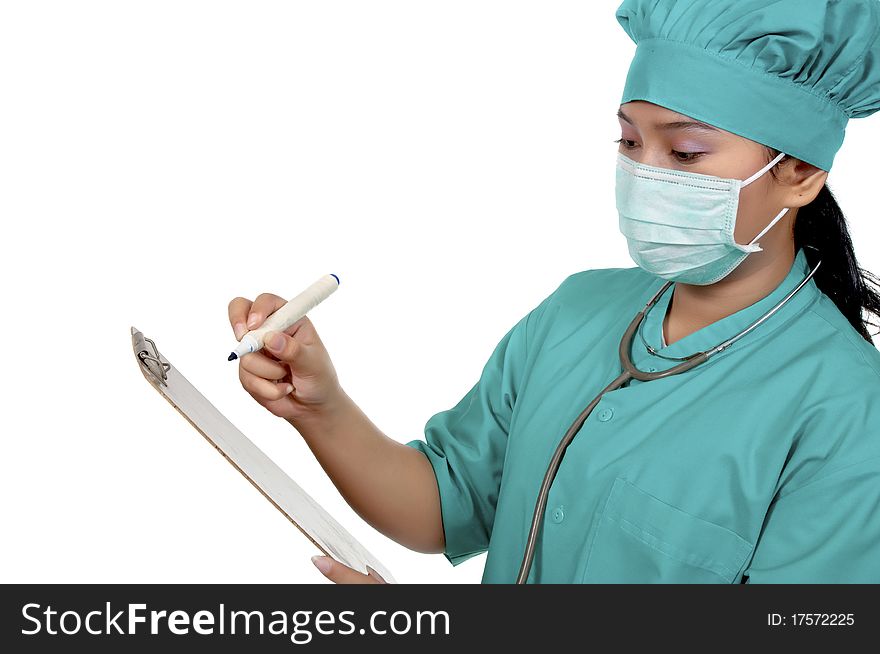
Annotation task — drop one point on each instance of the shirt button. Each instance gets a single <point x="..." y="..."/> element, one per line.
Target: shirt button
<point x="558" y="515"/>
<point x="605" y="414"/>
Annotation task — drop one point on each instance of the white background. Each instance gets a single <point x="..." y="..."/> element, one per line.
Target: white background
<point x="451" y="161"/>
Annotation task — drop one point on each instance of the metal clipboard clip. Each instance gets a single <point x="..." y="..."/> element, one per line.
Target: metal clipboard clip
<point x="150" y="362"/>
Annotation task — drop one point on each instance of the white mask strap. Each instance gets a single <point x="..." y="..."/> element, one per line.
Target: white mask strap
<point x="763" y="170"/>
<point x="772" y="222"/>
<point x="752" y="179"/>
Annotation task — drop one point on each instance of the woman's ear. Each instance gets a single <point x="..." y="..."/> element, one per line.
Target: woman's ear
<point x="801" y="182"/>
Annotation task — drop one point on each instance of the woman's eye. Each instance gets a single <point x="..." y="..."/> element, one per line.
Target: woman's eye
<point x="682" y="157"/>
<point x="688" y="156"/>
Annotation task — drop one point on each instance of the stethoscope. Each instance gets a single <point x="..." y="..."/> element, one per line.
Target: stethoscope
<point x="630" y="371"/>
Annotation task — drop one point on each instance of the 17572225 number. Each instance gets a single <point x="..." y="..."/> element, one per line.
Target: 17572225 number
<point x="810" y="619"/>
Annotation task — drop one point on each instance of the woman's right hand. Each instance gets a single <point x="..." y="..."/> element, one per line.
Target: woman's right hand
<point x="293" y="377"/>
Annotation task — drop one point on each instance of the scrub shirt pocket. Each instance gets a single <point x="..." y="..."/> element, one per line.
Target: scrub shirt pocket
<point x="642" y="539"/>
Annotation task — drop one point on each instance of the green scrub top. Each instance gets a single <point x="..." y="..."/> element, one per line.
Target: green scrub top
<point x="760" y="465"/>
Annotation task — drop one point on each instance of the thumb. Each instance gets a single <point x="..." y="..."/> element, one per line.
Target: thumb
<point x="283" y="346"/>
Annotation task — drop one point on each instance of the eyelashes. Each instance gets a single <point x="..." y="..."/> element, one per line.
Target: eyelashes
<point x="689" y="156"/>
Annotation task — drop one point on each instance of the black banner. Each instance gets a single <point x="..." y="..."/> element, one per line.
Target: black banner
<point x="398" y="617"/>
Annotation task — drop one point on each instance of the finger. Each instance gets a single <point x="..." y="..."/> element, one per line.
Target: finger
<point x="285" y="347"/>
<point x="376" y="575"/>
<point x="340" y="573"/>
<point x="262" y="366"/>
<point x="239" y="308"/>
<point x="263" y="388"/>
<point x="264" y="305"/>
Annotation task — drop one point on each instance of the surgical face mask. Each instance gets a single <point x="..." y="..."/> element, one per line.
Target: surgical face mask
<point x="678" y="224"/>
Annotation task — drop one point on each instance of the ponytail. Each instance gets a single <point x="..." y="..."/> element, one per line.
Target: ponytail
<point x="822" y="225"/>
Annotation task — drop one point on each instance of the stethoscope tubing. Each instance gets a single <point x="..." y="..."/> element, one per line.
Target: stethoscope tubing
<point x="630" y="371"/>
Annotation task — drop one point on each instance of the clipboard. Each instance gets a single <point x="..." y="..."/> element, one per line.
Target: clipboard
<point x="276" y="485"/>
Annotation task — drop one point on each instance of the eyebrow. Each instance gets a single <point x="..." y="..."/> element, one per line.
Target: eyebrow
<point x="693" y="125"/>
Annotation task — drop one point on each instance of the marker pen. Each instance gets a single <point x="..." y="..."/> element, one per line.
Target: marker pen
<point x="285" y="316"/>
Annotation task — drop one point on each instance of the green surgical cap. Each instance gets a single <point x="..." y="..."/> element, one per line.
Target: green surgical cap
<point x="786" y="73"/>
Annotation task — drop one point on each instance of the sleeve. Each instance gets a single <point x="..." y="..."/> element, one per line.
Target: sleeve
<point x="826" y="531"/>
<point x="466" y="444"/>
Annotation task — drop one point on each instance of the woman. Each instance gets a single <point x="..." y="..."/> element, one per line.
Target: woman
<point x="762" y="463"/>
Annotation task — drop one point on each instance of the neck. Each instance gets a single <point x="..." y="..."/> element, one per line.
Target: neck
<point x="693" y="307"/>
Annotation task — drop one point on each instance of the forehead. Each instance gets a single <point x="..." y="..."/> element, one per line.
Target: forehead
<point x="648" y="114"/>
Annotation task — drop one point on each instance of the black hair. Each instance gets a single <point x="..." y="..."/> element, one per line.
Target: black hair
<point x="822" y="225"/>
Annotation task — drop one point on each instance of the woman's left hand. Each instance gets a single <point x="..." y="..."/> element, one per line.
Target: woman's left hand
<point x="340" y="573"/>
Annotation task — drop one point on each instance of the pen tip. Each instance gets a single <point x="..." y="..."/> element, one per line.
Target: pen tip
<point x="232" y="356"/>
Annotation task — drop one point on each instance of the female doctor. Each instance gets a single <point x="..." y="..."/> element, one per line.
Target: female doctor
<point x="574" y="458"/>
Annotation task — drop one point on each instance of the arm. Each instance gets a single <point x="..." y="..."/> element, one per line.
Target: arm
<point x="388" y="484"/>
<point x="436" y="495"/>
